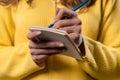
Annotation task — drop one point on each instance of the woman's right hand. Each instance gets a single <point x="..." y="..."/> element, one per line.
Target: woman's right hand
<point x="41" y="50"/>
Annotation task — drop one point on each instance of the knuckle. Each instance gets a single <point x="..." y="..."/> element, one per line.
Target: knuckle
<point x="30" y="44"/>
<point x="39" y="59"/>
<point x="76" y="37"/>
<point x="78" y="21"/>
<point x="34" y="57"/>
<point x="32" y="51"/>
<point x="59" y="23"/>
<point x="62" y="11"/>
<point x="75" y="14"/>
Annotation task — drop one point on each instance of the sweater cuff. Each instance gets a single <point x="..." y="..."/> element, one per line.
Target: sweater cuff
<point x="85" y="50"/>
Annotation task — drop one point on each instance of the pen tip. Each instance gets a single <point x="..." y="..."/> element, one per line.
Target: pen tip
<point x="50" y="25"/>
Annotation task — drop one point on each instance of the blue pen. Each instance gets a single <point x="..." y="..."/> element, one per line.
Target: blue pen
<point x="74" y="9"/>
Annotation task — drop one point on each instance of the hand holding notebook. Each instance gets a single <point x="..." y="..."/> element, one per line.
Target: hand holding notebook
<point x="62" y="36"/>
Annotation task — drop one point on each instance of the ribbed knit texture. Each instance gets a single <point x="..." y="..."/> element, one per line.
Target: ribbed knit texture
<point x="100" y="22"/>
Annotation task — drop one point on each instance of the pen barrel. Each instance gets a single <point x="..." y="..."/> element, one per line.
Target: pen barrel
<point x="80" y="5"/>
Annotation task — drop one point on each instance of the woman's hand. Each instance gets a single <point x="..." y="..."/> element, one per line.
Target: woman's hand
<point x="41" y="50"/>
<point x="68" y="20"/>
<point x="65" y="20"/>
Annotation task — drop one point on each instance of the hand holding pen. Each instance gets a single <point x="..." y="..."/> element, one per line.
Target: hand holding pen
<point x="72" y="25"/>
<point x="74" y="9"/>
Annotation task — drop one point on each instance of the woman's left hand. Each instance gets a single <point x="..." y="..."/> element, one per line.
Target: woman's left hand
<point x="68" y="21"/>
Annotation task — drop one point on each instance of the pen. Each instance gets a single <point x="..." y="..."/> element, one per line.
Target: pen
<point x="74" y="9"/>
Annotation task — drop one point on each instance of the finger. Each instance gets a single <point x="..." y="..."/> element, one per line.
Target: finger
<point x="67" y="22"/>
<point x="75" y="37"/>
<point x="65" y="13"/>
<point x="39" y="59"/>
<point x="57" y="10"/>
<point x="45" y="45"/>
<point x="46" y="51"/>
<point x="33" y="34"/>
<point x="72" y="29"/>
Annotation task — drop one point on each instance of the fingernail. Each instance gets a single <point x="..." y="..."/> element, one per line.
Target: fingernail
<point x="61" y="45"/>
<point x="38" y="33"/>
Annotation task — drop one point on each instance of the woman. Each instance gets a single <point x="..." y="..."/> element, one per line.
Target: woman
<point x="99" y="40"/>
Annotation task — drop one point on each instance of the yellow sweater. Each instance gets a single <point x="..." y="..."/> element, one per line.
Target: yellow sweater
<point x="101" y="34"/>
